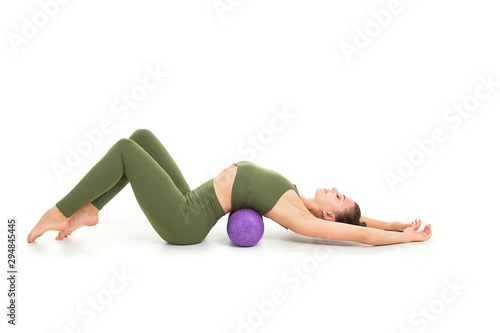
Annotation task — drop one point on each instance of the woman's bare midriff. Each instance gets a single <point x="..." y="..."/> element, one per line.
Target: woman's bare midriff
<point x="288" y="202"/>
<point x="223" y="185"/>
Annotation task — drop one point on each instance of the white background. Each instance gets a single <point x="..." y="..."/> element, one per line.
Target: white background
<point x="228" y="74"/>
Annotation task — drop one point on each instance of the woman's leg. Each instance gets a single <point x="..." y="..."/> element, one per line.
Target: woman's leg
<point x="155" y="191"/>
<point x="150" y="143"/>
<point x="88" y="215"/>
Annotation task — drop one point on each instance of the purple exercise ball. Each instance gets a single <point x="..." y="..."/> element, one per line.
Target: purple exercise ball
<point x="245" y="227"/>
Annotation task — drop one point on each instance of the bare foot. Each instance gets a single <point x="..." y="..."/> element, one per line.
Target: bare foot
<point x="85" y="216"/>
<point x="53" y="219"/>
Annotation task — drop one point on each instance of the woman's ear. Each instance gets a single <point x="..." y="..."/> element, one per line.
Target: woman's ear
<point x="328" y="216"/>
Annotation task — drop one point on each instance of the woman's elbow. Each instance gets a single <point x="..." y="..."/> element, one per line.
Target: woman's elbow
<point x="357" y="234"/>
<point x="367" y="237"/>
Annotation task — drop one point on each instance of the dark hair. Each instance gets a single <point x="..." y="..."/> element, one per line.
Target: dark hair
<point x="350" y="216"/>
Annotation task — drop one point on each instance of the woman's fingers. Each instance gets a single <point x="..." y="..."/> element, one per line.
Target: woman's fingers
<point x="416" y="225"/>
<point x="427" y="231"/>
<point x="423" y="234"/>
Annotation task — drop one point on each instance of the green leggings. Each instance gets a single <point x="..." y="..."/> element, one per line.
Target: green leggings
<point x="179" y="215"/>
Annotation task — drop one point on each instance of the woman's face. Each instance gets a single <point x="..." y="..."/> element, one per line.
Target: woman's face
<point x="330" y="201"/>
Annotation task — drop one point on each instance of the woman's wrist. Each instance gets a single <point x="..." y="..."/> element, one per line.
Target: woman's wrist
<point x="398" y="226"/>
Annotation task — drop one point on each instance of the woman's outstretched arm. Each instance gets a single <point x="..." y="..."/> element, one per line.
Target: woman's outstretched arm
<point x="373" y="223"/>
<point x="312" y="226"/>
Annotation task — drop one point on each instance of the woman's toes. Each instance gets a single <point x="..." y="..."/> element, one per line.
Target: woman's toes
<point x="32" y="237"/>
<point x="61" y="235"/>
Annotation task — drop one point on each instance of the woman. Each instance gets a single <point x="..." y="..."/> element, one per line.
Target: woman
<point x="183" y="216"/>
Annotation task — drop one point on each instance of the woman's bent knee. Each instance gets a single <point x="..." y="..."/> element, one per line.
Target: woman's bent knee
<point x="124" y="143"/>
<point x="141" y="133"/>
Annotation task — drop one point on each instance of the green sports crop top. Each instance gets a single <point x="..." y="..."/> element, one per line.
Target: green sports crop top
<point x="258" y="188"/>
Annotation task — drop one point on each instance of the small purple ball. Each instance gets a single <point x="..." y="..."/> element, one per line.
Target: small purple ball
<point x="245" y="227"/>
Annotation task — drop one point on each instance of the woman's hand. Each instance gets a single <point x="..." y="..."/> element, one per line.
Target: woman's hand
<point x="400" y="226"/>
<point x="418" y="236"/>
